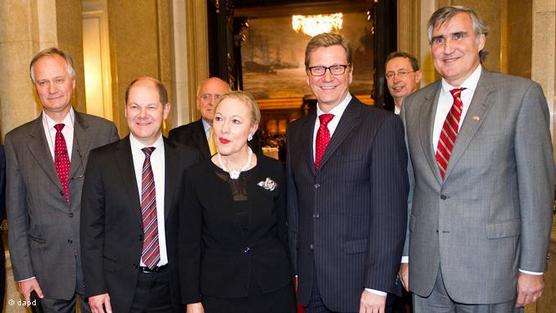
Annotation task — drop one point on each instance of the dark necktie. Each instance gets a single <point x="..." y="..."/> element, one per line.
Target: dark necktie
<point x="61" y="160"/>
<point x="449" y="132"/>
<point x="323" y="138"/>
<point x="151" y="249"/>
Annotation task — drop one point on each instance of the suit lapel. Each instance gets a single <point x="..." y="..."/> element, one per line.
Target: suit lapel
<point x="350" y="119"/>
<point x="41" y="152"/>
<point x="124" y="160"/>
<point x="427" y="115"/>
<point x="171" y="175"/>
<point x="475" y="116"/>
<point x="307" y="130"/>
<point x="201" y="139"/>
<point x="81" y="144"/>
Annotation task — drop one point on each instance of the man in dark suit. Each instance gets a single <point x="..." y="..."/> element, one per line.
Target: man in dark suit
<point x="347" y="190"/>
<point x="198" y="134"/>
<point x="482" y="179"/>
<point x="45" y="161"/>
<point x="131" y="198"/>
<point x="402" y="76"/>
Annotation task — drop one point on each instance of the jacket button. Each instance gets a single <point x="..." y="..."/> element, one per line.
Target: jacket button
<point x="311" y="246"/>
<point x="317" y="186"/>
<point x="70" y="241"/>
<point x="316" y="215"/>
<point x="443" y="197"/>
<point x="246" y="250"/>
<point x="70" y="214"/>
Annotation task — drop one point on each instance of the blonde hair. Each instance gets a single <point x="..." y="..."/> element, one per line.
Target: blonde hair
<point x="246" y="98"/>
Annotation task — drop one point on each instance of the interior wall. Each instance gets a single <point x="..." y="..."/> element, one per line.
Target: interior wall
<point x="141" y="45"/>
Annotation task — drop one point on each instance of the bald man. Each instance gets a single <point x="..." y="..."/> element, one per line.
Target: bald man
<point x="198" y="134"/>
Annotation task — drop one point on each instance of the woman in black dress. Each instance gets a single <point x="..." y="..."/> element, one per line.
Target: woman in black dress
<point x="233" y="234"/>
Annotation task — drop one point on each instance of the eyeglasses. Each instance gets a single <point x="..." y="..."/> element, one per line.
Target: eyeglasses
<point x="208" y="97"/>
<point x="336" y="69"/>
<point x="400" y="74"/>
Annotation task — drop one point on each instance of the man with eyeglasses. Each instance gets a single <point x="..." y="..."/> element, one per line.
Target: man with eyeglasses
<point x="347" y="190"/>
<point x="45" y="162"/>
<point x="402" y="76"/>
<point x="198" y="134"/>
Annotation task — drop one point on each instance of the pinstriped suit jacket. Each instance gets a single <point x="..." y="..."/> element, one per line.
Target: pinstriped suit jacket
<point x="347" y="220"/>
<point x="492" y="213"/>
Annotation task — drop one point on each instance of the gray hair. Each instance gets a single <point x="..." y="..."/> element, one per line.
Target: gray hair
<point x="53" y="51"/>
<point x="444" y="14"/>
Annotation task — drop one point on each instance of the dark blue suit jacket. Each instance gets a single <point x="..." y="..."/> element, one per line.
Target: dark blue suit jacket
<point x="347" y="221"/>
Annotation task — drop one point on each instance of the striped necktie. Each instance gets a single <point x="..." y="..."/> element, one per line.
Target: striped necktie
<point x="151" y="249"/>
<point x="449" y="132"/>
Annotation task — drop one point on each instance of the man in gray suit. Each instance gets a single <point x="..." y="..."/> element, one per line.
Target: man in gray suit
<point x="46" y="160"/>
<point x="482" y="179"/>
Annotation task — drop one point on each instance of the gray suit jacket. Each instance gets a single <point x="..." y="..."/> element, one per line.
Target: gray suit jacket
<point x="492" y="214"/>
<point x="43" y="228"/>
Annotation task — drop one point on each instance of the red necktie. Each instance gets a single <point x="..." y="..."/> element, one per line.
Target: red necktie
<point x="449" y="132"/>
<point x="323" y="138"/>
<point x="61" y="160"/>
<point x="151" y="249"/>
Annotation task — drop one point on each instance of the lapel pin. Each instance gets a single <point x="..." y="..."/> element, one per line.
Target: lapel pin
<point x="476" y="118"/>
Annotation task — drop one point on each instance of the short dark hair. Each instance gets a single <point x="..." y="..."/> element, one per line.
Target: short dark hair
<point x="401" y="54"/>
<point x="162" y="92"/>
<point x="52" y="52"/>
<point x="445" y="14"/>
<point x="327" y="40"/>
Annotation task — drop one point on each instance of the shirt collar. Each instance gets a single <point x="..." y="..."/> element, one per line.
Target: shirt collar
<point x="67" y="121"/>
<point x="339" y="109"/>
<point x="206" y="125"/>
<point x="136" y="145"/>
<point x="470" y="83"/>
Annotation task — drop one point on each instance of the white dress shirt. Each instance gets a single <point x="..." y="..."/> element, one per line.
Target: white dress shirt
<point x="337" y="111"/>
<point x="50" y="132"/>
<point x="158" y="167"/>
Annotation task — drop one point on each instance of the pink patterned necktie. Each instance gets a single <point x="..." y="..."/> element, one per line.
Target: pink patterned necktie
<point x="61" y="160"/>
<point x="151" y="249"/>
<point x="449" y="132"/>
<point x="323" y="138"/>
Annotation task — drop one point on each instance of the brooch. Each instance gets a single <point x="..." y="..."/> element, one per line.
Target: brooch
<point x="268" y="184"/>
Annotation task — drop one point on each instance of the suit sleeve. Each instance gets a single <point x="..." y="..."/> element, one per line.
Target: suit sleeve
<point x="92" y="227"/>
<point x="17" y="211"/>
<point x="113" y="133"/>
<point x="388" y="218"/>
<point x="535" y="174"/>
<point x="292" y="204"/>
<point x="411" y="178"/>
<point x="189" y="243"/>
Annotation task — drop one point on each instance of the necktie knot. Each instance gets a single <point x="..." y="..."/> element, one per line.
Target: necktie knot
<point x="325" y="119"/>
<point x="148" y="151"/>
<point x="456" y="93"/>
<point x="59" y="127"/>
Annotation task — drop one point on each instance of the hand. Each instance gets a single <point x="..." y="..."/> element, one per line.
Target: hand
<point x="372" y="303"/>
<point x="27" y="286"/>
<point x="195" y="308"/>
<point x="100" y="303"/>
<point x="529" y="288"/>
<point x="404" y="275"/>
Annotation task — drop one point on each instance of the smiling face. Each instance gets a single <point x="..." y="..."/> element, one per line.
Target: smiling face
<point x="404" y="81"/>
<point x="232" y="125"/>
<point x="54" y="85"/>
<point x="329" y="89"/>
<point x="144" y="111"/>
<point x="455" y="48"/>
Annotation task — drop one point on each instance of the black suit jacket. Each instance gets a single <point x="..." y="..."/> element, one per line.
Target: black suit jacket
<point x="217" y="256"/>
<point x="347" y="220"/>
<point x="193" y="135"/>
<point x="111" y="225"/>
